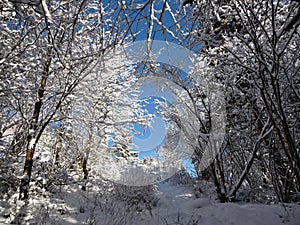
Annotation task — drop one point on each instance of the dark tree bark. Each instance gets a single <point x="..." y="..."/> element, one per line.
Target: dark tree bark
<point x="32" y="138"/>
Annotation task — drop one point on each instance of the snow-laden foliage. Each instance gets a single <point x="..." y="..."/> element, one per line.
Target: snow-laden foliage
<point x="69" y="98"/>
<point x="251" y="47"/>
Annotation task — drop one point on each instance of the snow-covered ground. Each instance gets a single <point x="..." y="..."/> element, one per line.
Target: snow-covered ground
<point x="177" y="201"/>
<point x="174" y="204"/>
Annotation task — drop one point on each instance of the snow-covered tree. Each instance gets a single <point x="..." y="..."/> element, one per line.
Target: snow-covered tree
<point x="251" y="46"/>
<point x="49" y="48"/>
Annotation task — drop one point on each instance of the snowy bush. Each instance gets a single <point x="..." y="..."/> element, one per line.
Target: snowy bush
<point x="137" y="199"/>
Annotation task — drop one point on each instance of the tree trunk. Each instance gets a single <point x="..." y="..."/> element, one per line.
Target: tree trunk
<point x="32" y="140"/>
<point x="84" y="161"/>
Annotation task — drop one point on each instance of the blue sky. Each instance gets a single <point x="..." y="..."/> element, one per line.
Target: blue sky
<point x="150" y="139"/>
